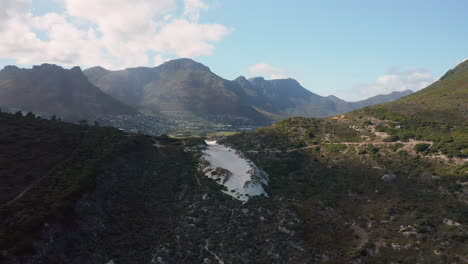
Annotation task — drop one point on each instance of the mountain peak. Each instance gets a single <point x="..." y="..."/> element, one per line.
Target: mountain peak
<point x="241" y="78"/>
<point x="335" y="98"/>
<point x="184" y="64"/>
<point x="10" y="68"/>
<point x="46" y="67"/>
<point x="289" y="81"/>
<point x="97" y="68"/>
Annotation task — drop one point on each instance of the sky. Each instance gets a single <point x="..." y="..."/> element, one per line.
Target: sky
<point x="353" y="49"/>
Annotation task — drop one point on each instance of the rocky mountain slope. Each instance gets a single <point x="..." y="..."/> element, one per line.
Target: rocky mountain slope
<point x="287" y="97"/>
<point x="51" y="90"/>
<point x="184" y="85"/>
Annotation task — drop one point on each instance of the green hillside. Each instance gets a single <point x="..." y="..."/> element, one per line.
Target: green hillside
<point x="438" y="113"/>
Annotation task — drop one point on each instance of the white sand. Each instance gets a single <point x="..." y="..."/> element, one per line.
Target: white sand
<point x="245" y="179"/>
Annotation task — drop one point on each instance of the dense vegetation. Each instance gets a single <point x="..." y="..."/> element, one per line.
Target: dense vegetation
<point x="53" y="162"/>
<point x="354" y="183"/>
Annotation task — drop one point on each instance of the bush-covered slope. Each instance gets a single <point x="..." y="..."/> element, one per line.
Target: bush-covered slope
<point x="105" y="195"/>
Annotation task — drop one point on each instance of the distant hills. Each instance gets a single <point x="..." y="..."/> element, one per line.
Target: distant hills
<point x="184" y="85"/>
<point x="52" y="90"/>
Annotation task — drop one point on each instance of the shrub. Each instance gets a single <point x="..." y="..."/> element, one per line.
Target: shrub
<point x="391" y="138"/>
<point x="397" y="146"/>
<point x="421" y="147"/>
<point x="194" y="141"/>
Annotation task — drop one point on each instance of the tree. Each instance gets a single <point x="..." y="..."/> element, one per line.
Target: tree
<point x="421" y="147"/>
<point x="83" y="122"/>
<point x="30" y="115"/>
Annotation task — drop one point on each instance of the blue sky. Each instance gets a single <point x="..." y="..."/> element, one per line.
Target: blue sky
<point x="353" y="49"/>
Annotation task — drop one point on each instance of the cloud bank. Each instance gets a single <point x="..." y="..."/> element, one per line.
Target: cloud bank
<point x="111" y="33"/>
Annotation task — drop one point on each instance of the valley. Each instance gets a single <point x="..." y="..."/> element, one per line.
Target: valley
<point x="233" y="132"/>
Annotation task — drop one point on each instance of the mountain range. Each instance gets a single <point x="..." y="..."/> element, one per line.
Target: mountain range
<point x="180" y="86"/>
<point x="184" y="85"/>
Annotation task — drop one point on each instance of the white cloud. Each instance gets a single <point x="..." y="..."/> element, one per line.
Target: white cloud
<point x="193" y="8"/>
<point x="394" y="80"/>
<point x="111" y="33"/>
<point x="267" y="71"/>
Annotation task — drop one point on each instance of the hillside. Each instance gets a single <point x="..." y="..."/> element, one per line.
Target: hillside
<point x="99" y="195"/>
<point x="51" y="90"/>
<point x="443" y="101"/>
<point x="400" y="173"/>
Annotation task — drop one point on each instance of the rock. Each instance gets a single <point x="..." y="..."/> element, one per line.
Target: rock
<point x="388" y="177"/>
